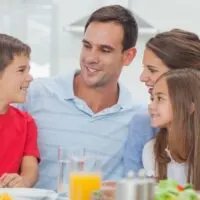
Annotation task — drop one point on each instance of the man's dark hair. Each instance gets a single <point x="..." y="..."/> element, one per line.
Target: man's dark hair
<point x="120" y="15"/>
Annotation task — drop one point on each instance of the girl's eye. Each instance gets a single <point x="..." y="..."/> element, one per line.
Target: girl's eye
<point x="159" y="98"/>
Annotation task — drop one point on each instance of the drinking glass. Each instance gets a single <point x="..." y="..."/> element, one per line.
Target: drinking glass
<point x="84" y="176"/>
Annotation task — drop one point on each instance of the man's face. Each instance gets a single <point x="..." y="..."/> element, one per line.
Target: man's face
<point x="14" y="80"/>
<point x="102" y="57"/>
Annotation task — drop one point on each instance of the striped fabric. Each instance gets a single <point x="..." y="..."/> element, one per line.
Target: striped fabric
<point x="66" y="120"/>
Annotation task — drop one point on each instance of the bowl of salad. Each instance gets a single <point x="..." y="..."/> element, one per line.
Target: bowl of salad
<point x="170" y="190"/>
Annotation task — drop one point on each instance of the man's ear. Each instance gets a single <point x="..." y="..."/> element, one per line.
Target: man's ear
<point x="192" y="108"/>
<point x="129" y="55"/>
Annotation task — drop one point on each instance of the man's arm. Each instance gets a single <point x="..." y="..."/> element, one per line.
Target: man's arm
<point x="140" y="132"/>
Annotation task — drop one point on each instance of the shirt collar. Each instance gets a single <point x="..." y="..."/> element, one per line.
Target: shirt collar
<point x="67" y="92"/>
<point x="125" y="98"/>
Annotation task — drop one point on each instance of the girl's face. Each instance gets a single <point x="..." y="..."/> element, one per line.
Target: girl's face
<point x="153" y="68"/>
<point x="160" y="108"/>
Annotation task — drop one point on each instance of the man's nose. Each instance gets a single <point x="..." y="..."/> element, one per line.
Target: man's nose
<point x="93" y="56"/>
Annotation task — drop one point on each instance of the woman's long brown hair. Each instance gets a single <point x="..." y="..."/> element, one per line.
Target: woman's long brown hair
<point x="183" y="139"/>
<point x="177" y="48"/>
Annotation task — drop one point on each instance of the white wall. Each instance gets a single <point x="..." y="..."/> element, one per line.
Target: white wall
<point x="165" y="15"/>
<point x="130" y="75"/>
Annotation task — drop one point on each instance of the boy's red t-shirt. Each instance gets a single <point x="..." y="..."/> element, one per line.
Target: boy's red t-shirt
<point x="18" y="138"/>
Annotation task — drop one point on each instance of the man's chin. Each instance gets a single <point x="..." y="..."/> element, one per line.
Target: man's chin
<point x="93" y="84"/>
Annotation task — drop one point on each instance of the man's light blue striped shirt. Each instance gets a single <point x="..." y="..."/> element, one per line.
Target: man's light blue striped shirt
<point x="66" y="120"/>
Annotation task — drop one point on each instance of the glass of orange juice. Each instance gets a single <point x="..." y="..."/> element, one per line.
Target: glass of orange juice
<point x="84" y="176"/>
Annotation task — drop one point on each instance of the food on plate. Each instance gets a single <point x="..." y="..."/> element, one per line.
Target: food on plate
<point x="101" y="195"/>
<point x="5" y="196"/>
<point x="170" y="190"/>
<point x="107" y="192"/>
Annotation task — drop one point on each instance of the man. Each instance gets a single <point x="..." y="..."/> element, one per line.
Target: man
<point x="89" y="108"/>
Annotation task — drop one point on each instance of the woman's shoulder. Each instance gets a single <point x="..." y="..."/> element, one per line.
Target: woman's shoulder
<point x="141" y="115"/>
<point x="140" y="125"/>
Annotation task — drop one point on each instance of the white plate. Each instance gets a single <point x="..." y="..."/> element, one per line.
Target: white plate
<point x="29" y="193"/>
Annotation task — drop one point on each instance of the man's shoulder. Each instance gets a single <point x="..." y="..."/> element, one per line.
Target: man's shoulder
<point x="41" y="87"/>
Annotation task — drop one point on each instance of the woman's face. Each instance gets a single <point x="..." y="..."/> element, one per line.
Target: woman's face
<point x="153" y="68"/>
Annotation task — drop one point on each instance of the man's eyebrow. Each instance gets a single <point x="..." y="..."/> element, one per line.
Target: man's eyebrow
<point x="85" y="41"/>
<point x="100" y="45"/>
<point x="107" y="47"/>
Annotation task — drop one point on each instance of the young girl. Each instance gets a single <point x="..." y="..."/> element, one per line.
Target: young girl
<point x="175" y="109"/>
<point x="19" y="153"/>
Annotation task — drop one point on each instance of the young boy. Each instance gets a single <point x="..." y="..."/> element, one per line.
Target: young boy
<point x="19" y="153"/>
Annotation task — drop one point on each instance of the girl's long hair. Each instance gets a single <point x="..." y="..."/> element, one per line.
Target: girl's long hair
<point x="183" y="139"/>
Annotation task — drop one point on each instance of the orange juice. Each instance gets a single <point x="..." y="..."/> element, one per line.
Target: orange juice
<point x="82" y="184"/>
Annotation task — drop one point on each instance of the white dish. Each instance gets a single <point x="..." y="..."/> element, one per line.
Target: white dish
<point x="29" y="193"/>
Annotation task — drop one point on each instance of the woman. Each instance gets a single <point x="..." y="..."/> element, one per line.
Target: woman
<point x="166" y="51"/>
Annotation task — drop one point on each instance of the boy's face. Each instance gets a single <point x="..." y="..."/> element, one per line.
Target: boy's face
<point x="14" y="81"/>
